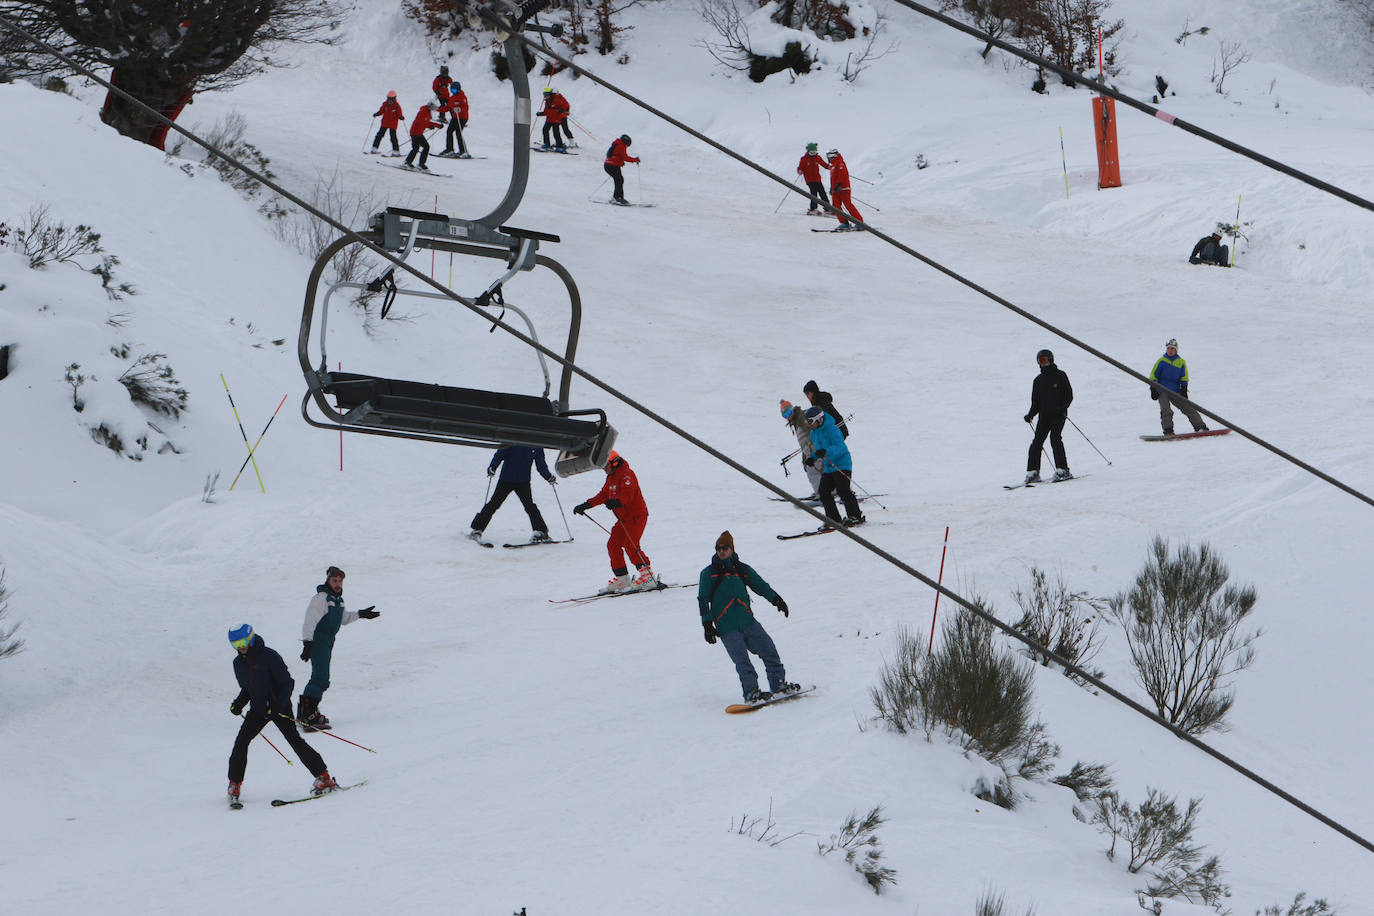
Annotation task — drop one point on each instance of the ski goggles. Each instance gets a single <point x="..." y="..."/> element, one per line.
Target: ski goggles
<point x="241" y="643"/>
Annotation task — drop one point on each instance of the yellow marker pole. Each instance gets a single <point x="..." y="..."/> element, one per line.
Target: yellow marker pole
<point x="1064" y="159"/>
<point x="242" y="433"/>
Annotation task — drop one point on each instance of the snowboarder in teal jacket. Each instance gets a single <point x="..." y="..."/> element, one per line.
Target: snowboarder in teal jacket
<point x="723" y="599"/>
<point x="323" y="618"/>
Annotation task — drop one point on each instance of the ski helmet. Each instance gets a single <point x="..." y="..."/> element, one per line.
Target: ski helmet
<point x="815" y="416"/>
<point x="1173" y="342"/>
<point x="457" y="86"/>
<point x="1045" y="355"/>
<point x="432" y="104"/>
<point x="832" y="154"/>
<point x="443" y="69"/>
<point x="613" y="461"/>
<point x="391" y="94"/>
<point x="548" y="90"/>
<point x="812" y="147"/>
<point x="625" y="138"/>
<point x="241" y="636"/>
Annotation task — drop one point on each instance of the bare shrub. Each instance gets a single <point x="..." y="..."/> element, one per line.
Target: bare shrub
<point x="310" y="235"/>
<point x="993" y="903"/>
<point x="1182" y="622"/>
<point x="1160" y="837"/>
<point x="761" y="829"/>
<point x="862" y="848"/>
<point x="1231" y="56"/>
<point x="151" y="382"/>
<point x="9" y="643"/>
<point x="1087" y="780"/>
<point x="1064" y="621"/>
<point x="1299" y="907"/>
<point x="227" y="135"/>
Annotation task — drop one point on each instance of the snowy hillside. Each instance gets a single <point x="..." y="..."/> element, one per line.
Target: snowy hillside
<point x="577" y="760"/>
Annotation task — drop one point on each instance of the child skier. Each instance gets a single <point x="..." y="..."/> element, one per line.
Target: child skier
<point x="391" y="116"/>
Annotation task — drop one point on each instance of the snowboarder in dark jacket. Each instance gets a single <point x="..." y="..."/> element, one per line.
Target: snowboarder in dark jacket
<point x="515" y="461"/>
<point x="723" y="599"/>
<point x="1051" y="395"/>
<point x="323" y="617"/>
<point x="825" y="401"/>
<point x="1210" y="251"/>
<point x="265" y="687"/>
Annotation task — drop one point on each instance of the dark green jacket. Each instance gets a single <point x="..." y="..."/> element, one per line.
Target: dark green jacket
<point x="723" y="597"/>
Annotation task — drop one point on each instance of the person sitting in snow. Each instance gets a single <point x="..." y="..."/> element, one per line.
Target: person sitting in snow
<point x="1210" y="251"/>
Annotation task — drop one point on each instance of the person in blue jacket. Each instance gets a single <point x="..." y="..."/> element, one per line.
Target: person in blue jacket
<point x="265" y="687"/>
<point x="1171" y="371"/>
<point x="515" y="461"/>
<point x="323" y="617"/>
<point x="723" y="599"/>
<point x="831" y="456"/>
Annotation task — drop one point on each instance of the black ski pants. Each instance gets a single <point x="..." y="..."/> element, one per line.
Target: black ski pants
<point x="817" y="190"/>
<point x="255" y="722"/>
<point x="556" y="130"/>
<point x="455" y="129"/>
<point x="377" y="140"/>
<point x="1052" y="426"/>
<point x="619" y="178"/>
<point x="418" y="144"/>
<point x="505" y="488"/>
<point x="832" y="482"/>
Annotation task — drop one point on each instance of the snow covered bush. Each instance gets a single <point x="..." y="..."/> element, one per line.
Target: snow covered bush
<point x="1158" y="836"/>
<point x="44" y="242"/>
<point x="766" y="38"/>
<point x="1064" y="31"/>
<point x="862" y="848"/>
<point x="9" y="644"/>
<point x="1183" y="626"/>
<point x="310" y="235"/>
<point x="978" y="695"/>
<point x="1086" y="780"/>
<point x="1299" y="907"/>
<point x="994" y="903"/>
<point x="151" y="382"/>
<point x="227" y="135"/>
<point x="1063" y="621"/>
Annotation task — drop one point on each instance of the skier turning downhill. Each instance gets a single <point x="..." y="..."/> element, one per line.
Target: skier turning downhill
<point x="621" y="494"/>
<point x="1171" y="371"/>
<point x="616" y="156"/>
<point x="265" y="687"/>
<point x="391" y="116"/>
<point x="419" y="143"/>
<point x="1051" y="395"/>
<point x="515" y="462"/>
<point x="723" y="600"/>
<point x="323" y="617"/>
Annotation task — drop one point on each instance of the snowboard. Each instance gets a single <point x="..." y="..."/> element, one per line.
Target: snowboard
<point x="737" y="708"/>
<point x="1201" y="435"/>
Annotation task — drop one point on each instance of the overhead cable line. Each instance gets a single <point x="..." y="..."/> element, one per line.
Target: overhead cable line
<point x="1045" y="651"/>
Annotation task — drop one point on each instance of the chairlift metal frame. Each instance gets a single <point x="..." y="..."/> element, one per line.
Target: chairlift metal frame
<point x="439" y="413"/>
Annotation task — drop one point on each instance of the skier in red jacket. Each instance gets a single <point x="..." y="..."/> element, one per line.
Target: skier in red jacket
<point x="617" y="156"/>
<point x="620" y="493"/>
<point x="441" y="90"/>
<point x="457" y="105"/>
<point x="809" y="168"/>
<point x="554" y="112"/>
<point x="391" y="116"/>
<point x="418" y="142"/>
<point x="839" y="189"/>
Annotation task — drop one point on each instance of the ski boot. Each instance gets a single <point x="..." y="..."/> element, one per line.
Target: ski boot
<point x="1062" y="474"/>
<point x="323" y="783"/>
<point x="645" y="579"/>
<point x="854" y="521"/>
<point x="540" y="537"/>
<point x="1032" y="477"/>
<point x="757" y="696"/>
<point x="234" y="788"/>
<point x="621" y="583"/>
<point x="786" y="688"/>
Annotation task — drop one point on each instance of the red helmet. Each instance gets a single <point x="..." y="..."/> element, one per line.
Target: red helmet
<point x="391" y="94"/>
<point x="613" y="461"/>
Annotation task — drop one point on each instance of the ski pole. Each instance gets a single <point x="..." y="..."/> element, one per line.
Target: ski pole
<point x="599" y="187"/>
<point x="596" y="523"/>
<point x="559" y="499"/>
<point x="581" y="127"/>
<point x="939" y="581"/>
<point x="849" y="477"/>
<point x="241" y="432"/>
<point x="864" y="180"/>
<point x="254" y="450"/>
<point x="873" y="207"/>
<point x="1235" y="238"/>
<point x="1089" y="441"/>
<point x="324" y="731"/>
<point x="1042" y="445"/>
<point x="786" y="194"/>
<point x="289" y="761"/>
<point x="369" y="132"/>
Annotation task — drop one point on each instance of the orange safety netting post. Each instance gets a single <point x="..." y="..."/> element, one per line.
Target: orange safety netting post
<point x="1104" y="127"/>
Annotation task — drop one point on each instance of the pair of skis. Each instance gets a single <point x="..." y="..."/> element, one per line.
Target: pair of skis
<point x="481" y="543"/>
<point x="1037" y="483"/>
<point x="585" y="599"/>
<point x="237" y="804"/>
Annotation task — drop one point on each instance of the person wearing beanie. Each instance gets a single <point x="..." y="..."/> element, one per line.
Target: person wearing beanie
<point x="441" y="90"/>
<point x="795" y="418"/>
<point x="265" y="687"/>
<point x="826" y="402"/>
<point x="391" y="116"/>
<point x="1171" y="372"/>
<point x="832" y="458"/>
<point x="621" y="494"/>
<point x="323" y="617"/>
<point x="723" y="600"/>
<point x="1209" y="250"/>
<point x="809" y="168"/>
<point x="1051" y="395"/>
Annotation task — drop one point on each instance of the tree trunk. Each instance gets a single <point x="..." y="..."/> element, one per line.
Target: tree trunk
<point x="155" y="91"/>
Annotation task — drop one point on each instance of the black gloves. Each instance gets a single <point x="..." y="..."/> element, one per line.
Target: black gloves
<point x="491" y="472"/>
<point x="781" y="606"/>
<point x="1183" y="389"/>
<point x="236" y="707"/>
<point x="581" y="508"/>
<point x="1154" y="394"/>
<point x="305" y="651"/>
<point x="552" y="480"/>
<point x="368" y="613"/>
<point x="613" y="503"/>
<point x="709" y="631"/>
<point x="1028" y="417"/>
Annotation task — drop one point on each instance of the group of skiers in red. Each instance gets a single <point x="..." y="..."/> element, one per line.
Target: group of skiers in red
<point x="556" y="113"/>
<point x="450" y="104"/>
<point x="809" y="168"/>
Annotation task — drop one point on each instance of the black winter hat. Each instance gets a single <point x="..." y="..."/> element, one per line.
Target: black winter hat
<point x="811" y="387"/>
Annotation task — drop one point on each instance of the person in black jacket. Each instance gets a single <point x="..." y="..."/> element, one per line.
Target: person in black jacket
<point x="265" y="687"/>
<point x="825" y="401"/>
<point x="1211" y="251"/>
<point x="1051" y="395"/>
